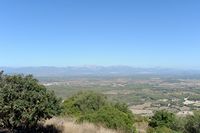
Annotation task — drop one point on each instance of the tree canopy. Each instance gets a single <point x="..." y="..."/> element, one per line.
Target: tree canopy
<point x="24" y="102"/>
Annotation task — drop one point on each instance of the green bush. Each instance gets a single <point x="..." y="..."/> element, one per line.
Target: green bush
<point x="24" y="102"/>
<point x="84" y="103"/>
<point x="112" y="118"/>
<point x="95" y="108"/>
<point x="166" y="122"/>
<point x="179" y="124"/>
<point x="162" y="118"/>
<point x="124" y="108"/>
<point x="193" y="123"/>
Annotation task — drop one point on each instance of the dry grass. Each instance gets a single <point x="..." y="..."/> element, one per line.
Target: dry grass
<point x="69" y="126"/>
<point x="141" y="127"/>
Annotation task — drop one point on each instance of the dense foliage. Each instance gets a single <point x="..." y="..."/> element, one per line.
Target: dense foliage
<point x="193" y="123"/>
<point x="24" y="102"/>
<point x="162" y="118"/>
<point x="84" y="103"/>
<point x="93" y="107"/>
<point x="167" y="122"/>
<point x="110" y="117"/>
<point x="164" y="122"/>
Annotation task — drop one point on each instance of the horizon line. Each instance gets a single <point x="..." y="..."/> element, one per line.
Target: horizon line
<point x="142" y="67"/>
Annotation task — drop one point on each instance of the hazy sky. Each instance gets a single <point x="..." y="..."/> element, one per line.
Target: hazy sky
<point x="141" y="33"/>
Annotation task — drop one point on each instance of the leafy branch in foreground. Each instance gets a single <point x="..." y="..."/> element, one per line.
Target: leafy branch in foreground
<point x="24" y="102"/>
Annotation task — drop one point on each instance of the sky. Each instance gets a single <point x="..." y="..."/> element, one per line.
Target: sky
<point x="139" y="33"/>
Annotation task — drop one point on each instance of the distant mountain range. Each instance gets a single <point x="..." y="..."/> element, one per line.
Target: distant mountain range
<point x="93" y="71"/>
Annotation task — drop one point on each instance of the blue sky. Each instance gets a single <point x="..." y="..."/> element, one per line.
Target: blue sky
<point x="140" y="33"/>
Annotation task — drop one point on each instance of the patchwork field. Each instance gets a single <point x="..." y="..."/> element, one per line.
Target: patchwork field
<point x="143" y="94"/>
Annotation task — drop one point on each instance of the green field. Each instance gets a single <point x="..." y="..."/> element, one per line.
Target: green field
<point x="159" y="92"/>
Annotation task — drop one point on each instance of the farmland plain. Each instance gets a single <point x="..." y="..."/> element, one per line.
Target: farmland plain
<point x="143" y="93"/>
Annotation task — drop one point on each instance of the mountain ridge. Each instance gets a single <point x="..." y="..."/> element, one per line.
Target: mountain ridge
<point x="93" y="70"/>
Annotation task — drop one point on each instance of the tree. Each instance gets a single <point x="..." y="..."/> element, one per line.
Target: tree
<point x="162" y="118"/>
<point x="24" y="102"/>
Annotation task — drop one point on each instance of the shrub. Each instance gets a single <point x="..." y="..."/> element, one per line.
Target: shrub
<point x="24" y="102"/>
<point x="179" y="124"/>
<point x="124" y="108"/>
<point x="94" y="107"/>
<point x="112" y="118"/>
<point x="84" y="103"/>
<point x="193" y="123"/>
<point x="162" y="118"/>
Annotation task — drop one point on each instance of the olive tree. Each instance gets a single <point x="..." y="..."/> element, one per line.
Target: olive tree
<point x="24" y="102"/>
